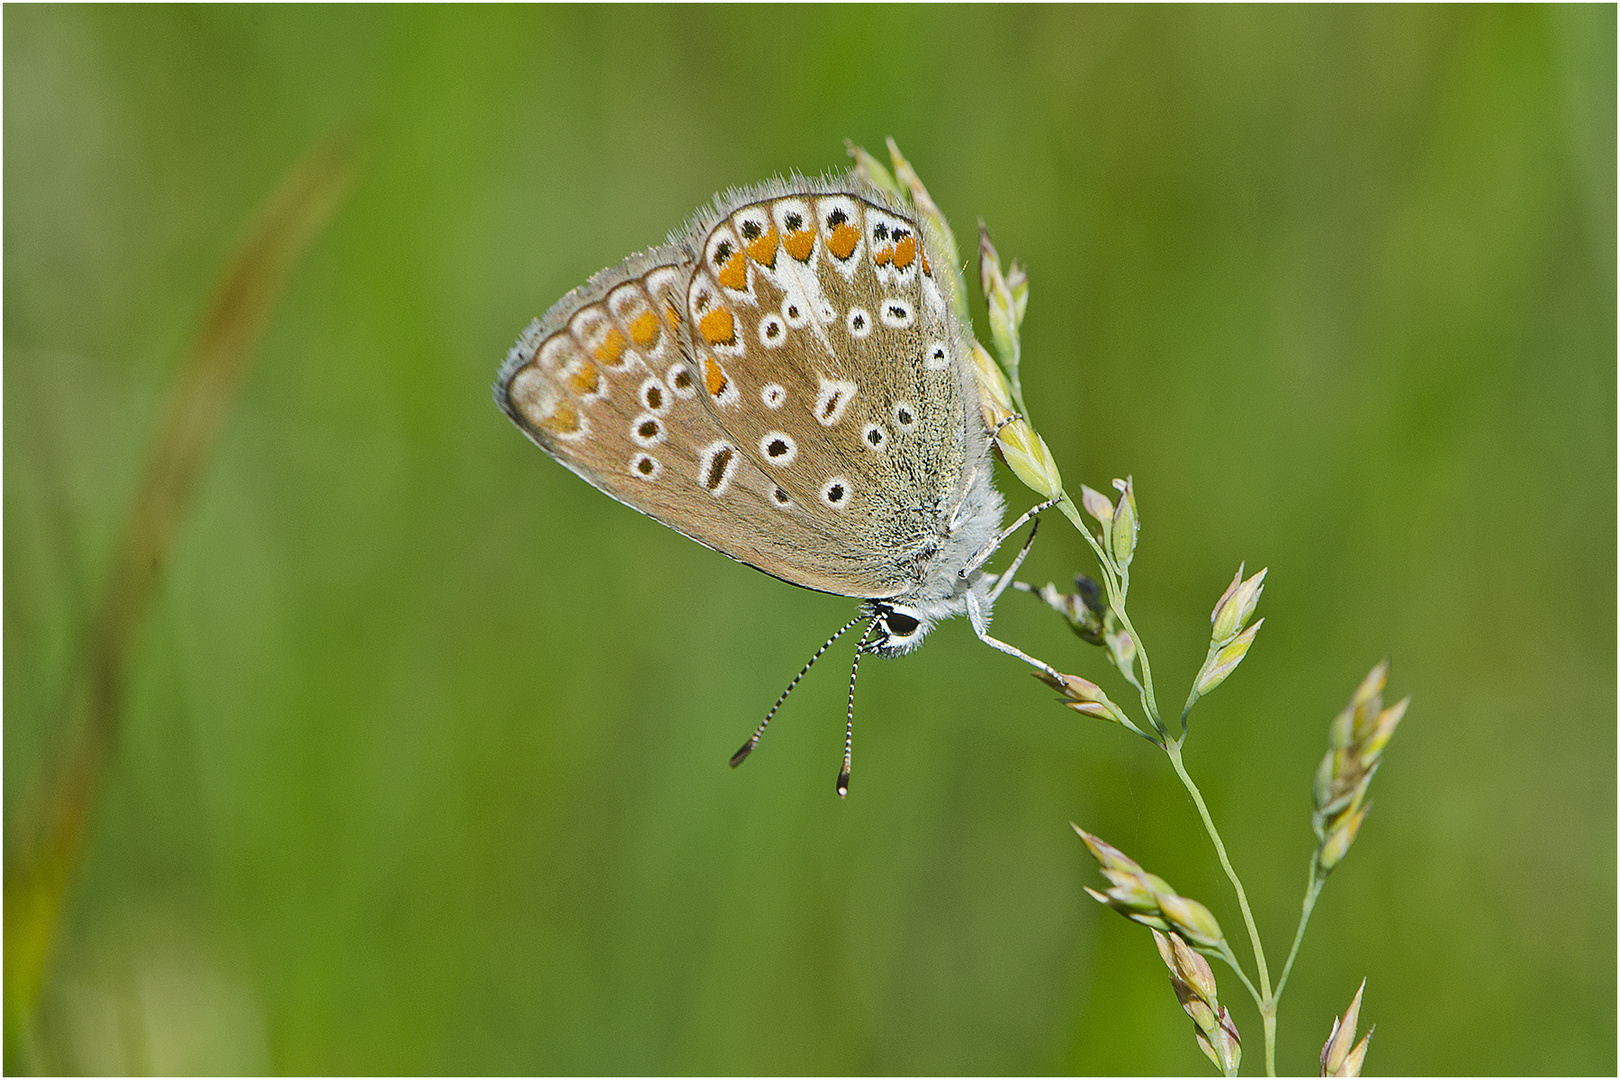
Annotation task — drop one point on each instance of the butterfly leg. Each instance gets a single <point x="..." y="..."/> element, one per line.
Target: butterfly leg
<point x="1026" y="587"/>
<point x="1006" y="577"/>
<point x="956" y="511"/>
<point x="982" y="629"/>
<point x="990" y="548"/>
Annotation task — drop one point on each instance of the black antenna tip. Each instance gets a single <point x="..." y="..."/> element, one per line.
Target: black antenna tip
<point x="843" y="785"/>
<point x="742" y="755"/>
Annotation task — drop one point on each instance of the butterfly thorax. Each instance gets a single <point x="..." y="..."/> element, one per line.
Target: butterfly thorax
<point x="901" y="623"/>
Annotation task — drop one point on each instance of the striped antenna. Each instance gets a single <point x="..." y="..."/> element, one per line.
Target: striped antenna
<point x="849" y="715"/>
<point x="753" y="740"/>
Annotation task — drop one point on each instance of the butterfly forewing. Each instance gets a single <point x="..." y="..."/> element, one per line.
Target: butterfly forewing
<point x="603" y="384"/>
<point x="826" y="352"/>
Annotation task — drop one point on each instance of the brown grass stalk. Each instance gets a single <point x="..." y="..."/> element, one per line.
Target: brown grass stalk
<point x="48" y="832"/>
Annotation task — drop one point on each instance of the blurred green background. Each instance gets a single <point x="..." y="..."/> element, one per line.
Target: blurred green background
<point x="423" y="766"/>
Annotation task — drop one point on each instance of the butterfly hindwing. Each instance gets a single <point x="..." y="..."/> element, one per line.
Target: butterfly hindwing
<point x="603" y="382"/>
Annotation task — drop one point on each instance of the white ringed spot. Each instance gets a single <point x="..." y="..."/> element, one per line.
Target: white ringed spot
<point x="878" y="226"/>
<point x="772" y="332"/>
<point x="794" y="313"/>
<point x="753" y="225"/>
<point x="680" y="379"/>
<point x="647" y="430"/>
<point x="778" y="448"/>
<point x="773" y="395"/>
<point x="858" y="323"/>
<point x="833" y="399"/>
<point x="593" y="329"/>
<point x="897" y="314"/>
<point x="719" y="465"/>
<point x="905" y="417"/>
<point x="937" y="357"/>
<point x="875" y="437"/>
<point x="655" y="396"/>
<point x="645" y="467"/>
<point x="835" y="492"/>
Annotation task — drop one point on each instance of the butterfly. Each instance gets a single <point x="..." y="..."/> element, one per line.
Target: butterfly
<point x="786" y="381"/>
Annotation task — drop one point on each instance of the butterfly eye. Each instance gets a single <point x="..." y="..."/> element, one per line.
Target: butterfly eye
<point x="900" y="624"/>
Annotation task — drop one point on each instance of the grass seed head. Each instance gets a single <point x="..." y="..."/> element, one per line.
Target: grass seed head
<point x="1194" y="984"/>
<point x="1357" y="738"/>
<point x="1339" y="1057"/>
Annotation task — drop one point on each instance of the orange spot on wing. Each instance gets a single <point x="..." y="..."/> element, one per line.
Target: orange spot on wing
<point x="929" y="270"/>
<point x="843" y="240"/>
<point x="585" y="379"/>
<point x="800" y="244"/>
<point x="644" y="329"/>
<point x="904" y="252"/>
<point x="882" y="255"/>
<point x="563" y="420"/>
<point x="734" y="275"/>
<point x="611" y="347"/>
<point x="672" y="314"/>
<point x="763" y="250"/>
<point x="714" y="376"/>
<point x="718" y="327"/>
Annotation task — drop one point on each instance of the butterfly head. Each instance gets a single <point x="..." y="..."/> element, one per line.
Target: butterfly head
<point x="899" y="626"/>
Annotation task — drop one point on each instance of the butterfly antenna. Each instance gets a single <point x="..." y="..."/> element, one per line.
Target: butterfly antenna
<point x="849" y="714"/>
<point x="753" y="740"/>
